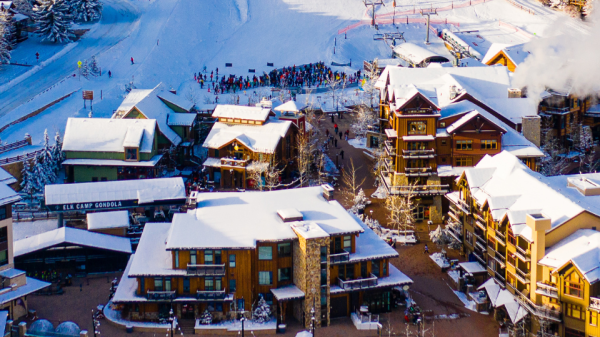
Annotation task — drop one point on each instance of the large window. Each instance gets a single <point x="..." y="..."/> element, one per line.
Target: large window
<point x="593" y="318"/>
<point x="168" y="284"/>
<point x="375" y="268"/>
<point x="3" y="234"/>
<point x="489" y="144"/>
<point x="176" y="259"/>
<point x="284" y="274"/>
<point x="186" y="285"/>
<point x="284" y="249"/>
<point x="218" y="257"/>
<point x="417" y="145"/>
<point x="265" y="278"/>
<point x="232" y="286"/>
<point x="231" y="260"/>
<point x="193" y="259"/>
<point x="265" y="253"/>
<point x="511" y="260"/>
<point x="348" y="243"/>
<point x="2" y="212"/>
<point x="464" y="145"/>
<point x="464" y="161"/>
<point x="573" y="285"/>
<point x="208" y="257"/>
<point x="417" y="128"/>
<point x="131" y="154"/>
<point x="158" y="284"/>
<point x="575" y="311"/>
<point x="511" y="238"/>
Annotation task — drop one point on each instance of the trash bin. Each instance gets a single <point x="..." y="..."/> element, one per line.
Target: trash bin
<point x="281" y="328"/>
<point x="129" y="329"/>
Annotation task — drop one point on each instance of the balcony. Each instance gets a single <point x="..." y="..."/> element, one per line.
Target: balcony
<point x="522" y="276"/>
<point x="454" y="216"/>
<point x="500" y="234"/>
<point x="480" y="239"/>
<point x="555" y="110"/>
<point x="358" y="284"/>
<point x="595" y="303"/>
<point x="389" y="148"/>
<point x="548" y="290"/>
<point x="206" y="269"/>
<point x="232" y="162"/>
<point x="522" y="254"/>
<point x="479" y="217"/>
<point x="455" y="230"/>
<point x="418" y="171"/>
<point x="480" y="246"/>
<point x="538" y="310"/>
<point x="479" y="257"/>
<point x="160" y="295"/>
<point x="211" y="295"/>
<point x="499" y="257"/>
<point x="481" y="225"/>
<point x="462" y="205"/>
<point x="389" y="165"/>
<point x="499" y="277"/>
<point x="339" y="258"/>
<point x="418" y="154"/>
<point x="420" y="189"/>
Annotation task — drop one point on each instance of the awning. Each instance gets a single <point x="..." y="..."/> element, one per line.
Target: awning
<point x="391" y="133"/>
<point x="472" y="267"/>
<point x="287" y="293"/>
<point x="212" y="162"/>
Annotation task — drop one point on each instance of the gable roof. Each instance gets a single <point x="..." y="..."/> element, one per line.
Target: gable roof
<point x="416" y="54"/>
<point x="582" y="248"/>
<point x="151" y="106"/>
<point x="72" y="236"/>
<point x="181" y="119"/>
<point x="258" y="138"/>
<point x="252" y="113"/>
<point x="406" y="93"/>
<point x="466" y="118"/>
<point x="108" y="135"/>
<point x="290" y="106"/>
<point x="515" y="53"/>
<point x="176" y="100"/>
<point x="8" y="195"/>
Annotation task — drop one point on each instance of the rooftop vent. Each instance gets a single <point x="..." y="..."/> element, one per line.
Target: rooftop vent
<point x="290" y="215"/>
<point x="328" y="191"/>
<point x="584" y="186"/>
<point x="514" y="93"/>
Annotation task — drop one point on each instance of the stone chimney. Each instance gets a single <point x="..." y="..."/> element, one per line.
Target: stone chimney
<point x="532" y="129"/>
<point x="328" y="191"/>
<point x="539" y="224"/>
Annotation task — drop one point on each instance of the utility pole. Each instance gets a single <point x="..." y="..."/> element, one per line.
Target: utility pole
<point x="428" y="13"/>
<point x="373" y="3"/>
<point x="394" y="16"/>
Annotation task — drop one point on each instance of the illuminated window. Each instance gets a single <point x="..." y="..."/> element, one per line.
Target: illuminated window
<point x="489" y="144"/>
<point x="464" y="161"/>
<point x="593" y="318"/>
<point x="575" y="311"/>
<point x="417" y="128"/>
<point x="573" y="285"/>
<point x="464" y="145"/>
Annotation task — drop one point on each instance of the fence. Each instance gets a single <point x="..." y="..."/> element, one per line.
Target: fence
<point x="521" y="7"/>
<point x="15" y="159"/>
<point x="15" y="145"/>
<point x="517" y="29"/>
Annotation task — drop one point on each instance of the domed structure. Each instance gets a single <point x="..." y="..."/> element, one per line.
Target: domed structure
<point x="68" y="329"/>
<point x="41" y="326"/>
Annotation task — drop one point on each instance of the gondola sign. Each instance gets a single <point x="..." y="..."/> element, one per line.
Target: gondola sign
<point x="82" y="206"/>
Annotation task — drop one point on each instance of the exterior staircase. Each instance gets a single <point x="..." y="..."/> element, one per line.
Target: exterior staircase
<point x="187" y="326"/>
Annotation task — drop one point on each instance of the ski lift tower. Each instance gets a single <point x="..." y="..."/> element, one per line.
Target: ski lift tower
<point x="373" y="3"/>
<point x="390" y="37"/>
<point x="428" y="12"/>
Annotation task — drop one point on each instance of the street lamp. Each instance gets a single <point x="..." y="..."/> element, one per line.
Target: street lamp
<point x="95" y="324"/>
<point x="171" y="320"/>
<point x="243" y="319"/>
<point x="313" y="321"/>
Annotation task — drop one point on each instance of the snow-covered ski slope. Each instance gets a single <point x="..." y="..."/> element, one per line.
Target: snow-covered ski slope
<point x="170" y="40"/>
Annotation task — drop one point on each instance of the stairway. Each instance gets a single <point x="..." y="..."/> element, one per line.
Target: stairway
<point x="187" y="326"/>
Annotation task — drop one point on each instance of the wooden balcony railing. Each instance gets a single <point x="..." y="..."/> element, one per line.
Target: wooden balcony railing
<point x="161" y="295"/>
<point x="389" y="148"/>
<point x="234" y="162"/>
<point x="358" y="284"/>
<point x="523" y="254"/>
<point x="418" y="171"/>
<point x="548" y="290"/>
<point x="206" y="269"/>
<point x="538" y="310"/>
<point x="211" y="295"/>
<point x="524" y="277"/>
<point x="339" y="258"/>
<point x="418" y="154"/>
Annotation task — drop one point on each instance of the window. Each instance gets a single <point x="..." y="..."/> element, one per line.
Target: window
<point x="186" y="285"/>
<point x="3" y="234"/>
<point x="217" y="154"/>
<point x="489" y="145"/>
<point x="193" y="259"/>
<point x="284" y="249"/>
<point x="511" y="238"/>
<point x="284" y="274"/>
<point x="417" y="128"/>
<point x="464" y="161"/>
<point x="231" y="260"/>
<point x="363" y="269"/>
<point x="385" y="266"/>
<point x="265" y="253"/>
<point x="349" y="271"/>
<point x="469" y="237"/>
<point x="265" y="278"/>
<point x="232" y="286"/>
<point x="464" y="145"/>
<point x="573" y="285"/>
<point x="103" y="179"/>
<point x="443" y="142"/>
<point x="375" y="268"/>
<point x="176" y="259"/>
<point x="593" y="318"/>
<point x="209" y="284"/>
<point x="417" y="145"/>
<point x="575" y="311"/>
<point x="511" y="259"/>
<point x="268" y="298"/>
<point x="510" y="278"/>
<point x="442" y="124"/>
<point x="158" y="284"/>
<point x="323" y="275"/>
<point x="574" y="333"/>
<point x="323" y="254"/>
<point x="168" y="284"/>
<point x="215" y="306"/>
<point x="2" y="212"/>
<point x="217" y="257"/>
<point x="240" y="304"/>
<point x="208" y="257"/>
<point x="142" y="285"/>
<point x="348" y="243"/>
<point x="131" y="154"/>
<point x="94" y="179"/>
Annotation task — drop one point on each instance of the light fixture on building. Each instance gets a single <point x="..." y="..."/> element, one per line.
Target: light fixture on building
<point x="235" y="146"/>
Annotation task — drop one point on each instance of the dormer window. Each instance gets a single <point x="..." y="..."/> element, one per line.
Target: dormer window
<point x="132" y="154"/>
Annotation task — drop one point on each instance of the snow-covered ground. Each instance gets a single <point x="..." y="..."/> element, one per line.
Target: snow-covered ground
<point x="170" y="40"/>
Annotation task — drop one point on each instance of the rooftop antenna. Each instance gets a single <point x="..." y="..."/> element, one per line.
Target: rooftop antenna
<point x="428" y="12"/>
<point x="373" y="3"/>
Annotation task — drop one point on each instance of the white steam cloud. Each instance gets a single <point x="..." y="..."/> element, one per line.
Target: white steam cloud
<point x="567" y="58"/>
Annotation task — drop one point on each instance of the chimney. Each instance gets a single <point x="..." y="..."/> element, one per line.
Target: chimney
<point x="539" y="224"/>
<point x="532" y="129"/>
<point x="328" y="191"/>
<point x="514" y="93"/>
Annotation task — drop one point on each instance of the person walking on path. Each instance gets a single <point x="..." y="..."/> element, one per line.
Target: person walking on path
<point x="332" y="121"/>
<point x="426" y="250"/>
<point x="335" y="126"/>
<point x="340" y="134"/>
<point x="342" y="154"/>
<point x="335" y="141"/>
<point x="132" y="60"/>
<point x="327" y="132"/>
<point x="109" y="74"/>
<point x="346" y="135"/>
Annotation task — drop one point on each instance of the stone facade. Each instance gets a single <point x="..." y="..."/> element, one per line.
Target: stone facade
<point x="435" y="211"/>
<point x="399" y="179"/>
<point x="532" y="128"/>
<point x="307" y="277"/>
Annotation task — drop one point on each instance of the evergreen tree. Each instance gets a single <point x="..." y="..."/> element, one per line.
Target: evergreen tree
<point x="86" y="10"/>
<point x="48" y="163"/>
<point x="54" y="20"/>
<point x="38" y="174"/>
<point x="7" y="36"/>
<point x="206" y="318"/>
<point x="94" y="69"/>
<point x="57" y="154"/>
<point x="262" y="313"/>
<point x="24" y="7"/>
<point x="27" y="181"/>
<point x="85" y="69"/>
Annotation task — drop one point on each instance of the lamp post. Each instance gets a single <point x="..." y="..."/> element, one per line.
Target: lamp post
<point x="313" y="321"/>
<point x="171" y="320"/>
<point x="95" y="323"/>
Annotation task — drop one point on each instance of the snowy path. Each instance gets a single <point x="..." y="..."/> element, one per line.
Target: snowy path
<point x="117" y="22"/>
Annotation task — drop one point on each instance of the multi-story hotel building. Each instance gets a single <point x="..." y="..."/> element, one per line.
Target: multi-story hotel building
<point x="297" y="248"/>
<point x="538" y="238"/>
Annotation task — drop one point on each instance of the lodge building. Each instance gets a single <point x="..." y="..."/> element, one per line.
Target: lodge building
<point x="297" y="248"/>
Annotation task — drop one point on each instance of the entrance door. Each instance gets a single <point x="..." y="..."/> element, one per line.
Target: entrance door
<point x="217" y="177"/>
<point x="339" y="306"/>
<point x="419" y="213"/>
<point x="187" y="311"/>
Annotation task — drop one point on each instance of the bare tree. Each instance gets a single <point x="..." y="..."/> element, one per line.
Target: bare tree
<point x="364" y="118"/>
<point x="401" y="208"/>
<point x="272" y="175"/>
<point x="352" y="182"/>
<point x="192" y="95"/>
<point x="555" y="161"/>
<point x="305" y="157"/>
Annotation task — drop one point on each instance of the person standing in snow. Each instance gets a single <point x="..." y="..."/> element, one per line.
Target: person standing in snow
<point x="132" y="60"/>
<point x="109" y="74"/>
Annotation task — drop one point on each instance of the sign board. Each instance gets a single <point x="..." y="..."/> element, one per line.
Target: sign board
<point x="269" y="64"/>
<point x="88" y="94"/>
<point x="228" y="64"/>
<point x="79" y="64"/>
<point x="252" y="70"/>
<point x="81" y="206"/>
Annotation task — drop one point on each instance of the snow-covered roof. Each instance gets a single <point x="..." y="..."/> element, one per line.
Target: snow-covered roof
<point x="286" y="293"/>
<point x="25" y="229"/>
<point x="502" y="297"/>
<point x="32" y="285"/>
<point x="181" y="119"/>
<point x="105" y="220"/>
<point x="515" y="53"/>
<point x="309" y="230"/>
<point x="472" y="267"/>
<point x="514" y="190"/>
<point x="404" y="93"/>
<point x="176" y="100"/>
<point x="113" y="162"/>
<point x="8" y="195"/>
<point x="258" y="138"/>
<point x="127" y="289"/>
<point x="6" y="178"/>
<point x="142" y="190"/>
<point x="395" y="279"/>
<point x="239" y="220"/>
<point x="494" y="49"/>
<point x="465" y="119"/>
<point x="290" y="106"/>
<point x="72" y="236"/>
<point x="370" y="246"/>
<point x="151" y="106"/>
<point x="108" y="135"/>
<point x="451" y="171"/>
<point x="251" y="113"/>
<point x="151" y="256"/>
<point x="582" y="248"/>
<point x="414" y="53"/>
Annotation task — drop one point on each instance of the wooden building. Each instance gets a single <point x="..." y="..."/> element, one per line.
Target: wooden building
<point x="247" y="136"/>
<point x="236" y="247"/>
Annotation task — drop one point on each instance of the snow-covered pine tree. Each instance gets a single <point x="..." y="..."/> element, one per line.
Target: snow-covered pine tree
<point x="86" y="10"/>
<point x="57" y="154"/>
<point x="85" y="69"/>
<point x="206" y="318"/>
<point x="24" y="7"/>
<point x="26" y="179"/>
<point x="54" y="20"/>
<point x="262" y="312"/>
<point x="38" y="174"/>
<point x="360" y="200"/>
<point x="94" y="69"/>
<point x="48" y="164"/>
<point x="7" y="36"/>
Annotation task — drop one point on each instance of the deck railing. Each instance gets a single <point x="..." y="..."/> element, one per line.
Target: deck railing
<point x="206" y="269"/>
<point x="358" y="284"/>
